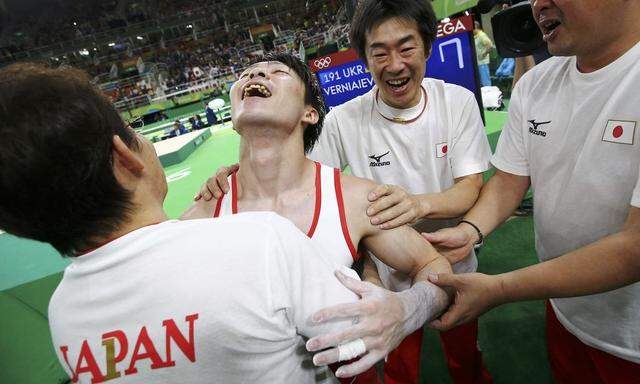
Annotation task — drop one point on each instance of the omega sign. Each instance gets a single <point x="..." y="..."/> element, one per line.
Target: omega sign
<point x="453" y="26"/>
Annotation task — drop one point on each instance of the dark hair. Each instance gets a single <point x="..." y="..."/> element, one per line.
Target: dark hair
<point x="371" y="13"/>
<point x="312" y="94"/>
<point x="56" y="168"/>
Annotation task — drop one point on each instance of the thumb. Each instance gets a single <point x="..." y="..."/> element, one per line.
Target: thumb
<point x="444" y="280"/>
<point x="234" y="167"/>
<point x="352" y="284"/>
<point x="447" y="321"/>
<point x="434" y="237"/>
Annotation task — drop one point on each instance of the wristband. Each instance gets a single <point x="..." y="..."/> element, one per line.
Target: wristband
<point x="480" y="235"/>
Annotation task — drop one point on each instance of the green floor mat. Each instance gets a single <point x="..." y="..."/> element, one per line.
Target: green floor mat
<point x="26" y="350"/>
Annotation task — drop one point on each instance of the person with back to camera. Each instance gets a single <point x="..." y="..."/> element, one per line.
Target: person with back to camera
<point x="147" y="299"/>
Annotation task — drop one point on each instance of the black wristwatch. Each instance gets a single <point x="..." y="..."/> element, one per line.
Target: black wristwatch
<point x="478" y="243"/>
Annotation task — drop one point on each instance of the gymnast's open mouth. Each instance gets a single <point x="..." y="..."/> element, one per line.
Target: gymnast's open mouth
<point x="255" y="90"/>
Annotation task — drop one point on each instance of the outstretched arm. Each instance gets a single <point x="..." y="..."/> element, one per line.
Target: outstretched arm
<point x="609" y="263"/>
<point x="385" y="317"/>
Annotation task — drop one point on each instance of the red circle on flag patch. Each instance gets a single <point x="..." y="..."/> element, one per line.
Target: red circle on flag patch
<point x="444" y="149"/>
<point x="618" y="131"/>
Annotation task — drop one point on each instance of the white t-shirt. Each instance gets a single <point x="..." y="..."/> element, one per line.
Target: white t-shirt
<point x="446" y="142"/>
<point x="576" y="136"/>
<point x="197" y="301"/>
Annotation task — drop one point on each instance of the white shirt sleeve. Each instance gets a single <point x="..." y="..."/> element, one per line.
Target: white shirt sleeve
<point x="329" y="150"/>
<point x="635" y="198"/>
<point x="470" y="152"/>
<point x="303" y="281"/>
<point x="511" y="153"/>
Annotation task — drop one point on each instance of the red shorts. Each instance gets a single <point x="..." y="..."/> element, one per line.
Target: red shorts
<point x="460" y="346"/>
<point x="572" y="361"/>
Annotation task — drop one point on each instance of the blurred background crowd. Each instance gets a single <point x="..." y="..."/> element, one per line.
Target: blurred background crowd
<point x="147" y="50"/>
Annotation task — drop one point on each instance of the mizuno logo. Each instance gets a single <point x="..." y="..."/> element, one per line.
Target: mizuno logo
<point x="378" y="160"/>
<point x="379" y="157"/>
<point x="533" y="128"/>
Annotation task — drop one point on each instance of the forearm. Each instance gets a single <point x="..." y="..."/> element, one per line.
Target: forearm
<point x="455" y="201"/>
<point x="410" y="254"/>
<point x="607" y="264"/>
<point x="499" y="197"/>
<point x="425" y="301"/>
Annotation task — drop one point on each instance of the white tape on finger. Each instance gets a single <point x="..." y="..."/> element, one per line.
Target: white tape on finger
<point x="350" y="350"/>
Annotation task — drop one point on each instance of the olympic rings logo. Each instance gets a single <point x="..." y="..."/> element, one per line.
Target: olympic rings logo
<point x="323" y="63"/>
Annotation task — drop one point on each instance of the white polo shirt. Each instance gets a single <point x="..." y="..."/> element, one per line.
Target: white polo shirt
<point x="447" y="141"/>
<point x="198" y="301"/>
<point x="576" y="136"/>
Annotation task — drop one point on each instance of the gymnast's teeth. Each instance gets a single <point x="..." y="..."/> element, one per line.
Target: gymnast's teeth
<point x="256" y="90"/>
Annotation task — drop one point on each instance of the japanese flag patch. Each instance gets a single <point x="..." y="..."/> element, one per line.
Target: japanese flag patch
<point x="620" y="132"/>
<point x="441" y="150"/>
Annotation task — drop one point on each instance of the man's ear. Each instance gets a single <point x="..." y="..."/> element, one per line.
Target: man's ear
<point x="125" y="160"/>
<point x="310" y="116"/>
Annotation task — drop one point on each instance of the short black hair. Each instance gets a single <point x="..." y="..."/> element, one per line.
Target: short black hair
<point x="312" y="94"/>
<point x="371" y="13"/>
<point x="56" y="167"/>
